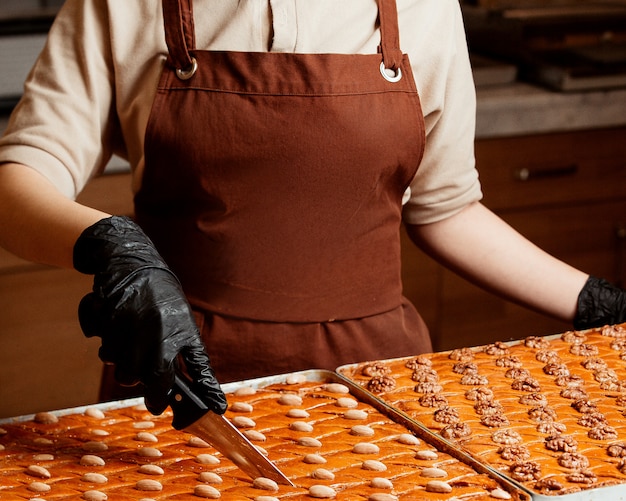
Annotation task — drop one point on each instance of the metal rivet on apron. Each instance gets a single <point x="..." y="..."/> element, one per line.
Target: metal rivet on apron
<point x="389" y="75"/>
<point x="186" y="74"/>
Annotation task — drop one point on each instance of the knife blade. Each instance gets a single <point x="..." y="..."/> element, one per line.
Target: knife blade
<point x="193" y="416"/>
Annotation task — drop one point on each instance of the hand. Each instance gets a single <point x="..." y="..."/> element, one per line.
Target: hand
<point x="600" y="303"/>
<point x="139" y="310"/>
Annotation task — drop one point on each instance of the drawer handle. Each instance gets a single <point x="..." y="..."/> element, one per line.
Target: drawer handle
<point x="527" y="174"/>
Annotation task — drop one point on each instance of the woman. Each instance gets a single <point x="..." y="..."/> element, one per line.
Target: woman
<point x="275" y="148"/>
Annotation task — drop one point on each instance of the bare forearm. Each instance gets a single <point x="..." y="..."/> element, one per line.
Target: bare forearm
<point x="37" y="222"/>
<point x="481" y="247"/>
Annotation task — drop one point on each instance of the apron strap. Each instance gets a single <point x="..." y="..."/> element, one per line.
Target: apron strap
<point x="389" y="34"/>
<point x="179" y="33"/>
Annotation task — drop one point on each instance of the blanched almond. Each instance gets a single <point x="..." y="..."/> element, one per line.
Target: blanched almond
<point x="94" y="446"/>
<point x="290" y="399"/>
<point x="347" y="402"/>
<point x="301" y="426"/>
<point x="38" y="471"/>
<point x="322" y="492"/>
<point x="95" y="496"/>
<point x="94" y="412"/>
<point x="314" y="459"/>
<point x="381" y="483"/>
<point x="337" y="388"/>
<point x="209" y="477"/>
<point x="146" y="436"/>
<point x="365" y="448"/>
<point x="45" y="418"/>
<point x="309" y="442"/>
<point x="149" y="452"/>
<point x="254" y="436"/>
<point x="143" y="425"/>
<point x="373" y="465"/>
<point x="94" y="478"/>
<point x="91" y="460"/>
<point x="241" y="407"/>
<point x="43" y="441"/>
<point x="355" y="414"/>
<point x="266" y="484"/>
<point x="434" y="473"/>
<point x="382" y="496"/>
<point x="245" y="391"/>
<point x="243" y="422"/>
<point x="438" y="486"/>
<point x="151" y="469"/>
<point x="38" y="487"/>
<point x="408" y="439"/>
<point x="206" y="491"/>
<point x="207" y="459"/>
<point x="148" y="485"/>
<point x="361" y="431"/>
<point x="295" y="379"/>
<point x="500" y="494"/>
<point x="323" y="474"/>
<point x="197" y="442"/>
<point x="298" y="413"/>
<point x="426" y="455"/>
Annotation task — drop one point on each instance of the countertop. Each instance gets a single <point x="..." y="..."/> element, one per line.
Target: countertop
<point x="521" y="109"/>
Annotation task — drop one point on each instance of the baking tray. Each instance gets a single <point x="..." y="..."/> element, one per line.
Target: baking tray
<point x="616" y="492"/>
<point x="420" y="431"/>
<point x="317" y="376"/>
<point x="102" y="406"/>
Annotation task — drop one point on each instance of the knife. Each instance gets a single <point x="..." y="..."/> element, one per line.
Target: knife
<point x="192" y="415"/>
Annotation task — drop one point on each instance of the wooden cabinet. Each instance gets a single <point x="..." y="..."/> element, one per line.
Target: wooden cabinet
<point x="566" y="192"/>
<point x="45" y="361"/>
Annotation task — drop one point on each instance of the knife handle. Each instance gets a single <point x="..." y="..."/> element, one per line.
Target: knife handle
<point x="187" y="407"/>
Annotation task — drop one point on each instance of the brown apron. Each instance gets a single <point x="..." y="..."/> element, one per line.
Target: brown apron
<point x="273" y="188"/>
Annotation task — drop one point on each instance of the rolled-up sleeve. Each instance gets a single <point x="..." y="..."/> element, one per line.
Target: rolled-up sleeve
<point x="64" y="124"/>
<point x="446" y="180"/>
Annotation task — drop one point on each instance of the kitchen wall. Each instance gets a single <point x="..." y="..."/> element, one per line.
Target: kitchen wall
<point x="23" y="26"/>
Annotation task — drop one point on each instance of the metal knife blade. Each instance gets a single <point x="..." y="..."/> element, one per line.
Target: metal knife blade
<point x="193" y="416"/>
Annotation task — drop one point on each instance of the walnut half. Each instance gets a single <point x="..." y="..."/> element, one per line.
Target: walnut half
<point x="376" y="369"/>
<point x="525" y="471"/>
<point x="456" y="431"/>
<point x="380" y="384"/>
<point x="561" y="443"/>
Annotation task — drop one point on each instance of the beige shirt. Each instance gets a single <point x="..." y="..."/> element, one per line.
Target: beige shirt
<point x="90" y="93"/>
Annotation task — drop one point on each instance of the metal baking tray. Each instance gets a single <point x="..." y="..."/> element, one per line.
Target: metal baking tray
<point x="615" y="492"/>
<point x="103" y="406"/>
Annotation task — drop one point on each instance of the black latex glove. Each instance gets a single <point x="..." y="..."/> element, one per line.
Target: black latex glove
<point x="600" y="303"/>
<point x="139" y="310"/>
